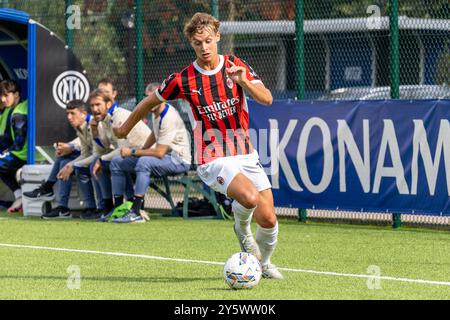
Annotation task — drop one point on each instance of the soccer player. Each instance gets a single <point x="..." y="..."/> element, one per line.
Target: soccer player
<point x="167" y="151"/>
<point x="14" y="156"/>
<point x="214" y="85"/>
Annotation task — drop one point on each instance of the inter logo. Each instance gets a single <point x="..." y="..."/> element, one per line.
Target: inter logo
<point x="70" y="85"/>
<point x="220" y="180"/>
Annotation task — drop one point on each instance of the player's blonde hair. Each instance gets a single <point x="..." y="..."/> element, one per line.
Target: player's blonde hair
<point x="199" y="22"/>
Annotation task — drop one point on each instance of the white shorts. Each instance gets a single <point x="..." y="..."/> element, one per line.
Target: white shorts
<point x="219" y="173"/>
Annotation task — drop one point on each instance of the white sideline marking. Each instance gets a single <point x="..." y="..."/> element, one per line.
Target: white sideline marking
<point x="143" y="256"/>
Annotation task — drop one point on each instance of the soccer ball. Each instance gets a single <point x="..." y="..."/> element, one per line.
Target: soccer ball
<point x="242" y="271"/>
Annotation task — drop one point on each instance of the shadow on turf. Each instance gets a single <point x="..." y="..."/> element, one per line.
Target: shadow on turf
<point x="111" y="279"/>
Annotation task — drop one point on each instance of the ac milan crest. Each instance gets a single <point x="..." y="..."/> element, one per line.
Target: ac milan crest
<point x="220" y="180"/>
<point x="230" y="83"/>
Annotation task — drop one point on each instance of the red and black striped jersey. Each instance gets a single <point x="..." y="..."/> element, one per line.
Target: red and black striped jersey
<point x="218" y="105"/>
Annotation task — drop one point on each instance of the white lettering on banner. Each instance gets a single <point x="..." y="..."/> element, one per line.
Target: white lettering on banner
<point x="260" y="141"/>
<point x="328" y="162"/>
<point x="278" y="155"/>
<point x="359" y="157"/>
<point x="389" y="141"/>
<point x="345" y="139"/>
<point x="421" y="146"/>
<point x="21" y="74"/>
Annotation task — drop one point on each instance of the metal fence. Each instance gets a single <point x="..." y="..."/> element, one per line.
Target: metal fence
<point x="321" y="49"/>
<point x="303" y="49"/>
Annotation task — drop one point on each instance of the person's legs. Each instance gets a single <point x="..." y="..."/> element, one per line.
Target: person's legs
<point x="64" y="186"/>
<point x="97" y="189"/>
<point x="104" y="180"/>
<point x="244" y="180"/>
<point x="52" y="178"/>
<point x="147" y="167"/>
<point x="246" y="198"/>
<point x="9" y="165"/>
<point x="267" y="230"/>
<point x="129" y="186"/>
<point x="45" y="190"/>
<point x="84" y="180"/>
<point x="120" y="175"/>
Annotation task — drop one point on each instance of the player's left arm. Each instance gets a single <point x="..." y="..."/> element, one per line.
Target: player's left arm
<point x="259" y="92"/>
<point x="256" y="89"/>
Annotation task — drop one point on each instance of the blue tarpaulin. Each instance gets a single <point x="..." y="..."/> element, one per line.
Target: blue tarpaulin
<point x="384" y="156"/>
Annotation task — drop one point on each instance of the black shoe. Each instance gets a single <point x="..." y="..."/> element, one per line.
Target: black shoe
<point x="44" y="192"/>
<point x="91" y="214"/>
<point x="58" y="213"/>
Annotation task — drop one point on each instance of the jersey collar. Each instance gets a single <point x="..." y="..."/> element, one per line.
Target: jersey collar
<point x="210" y="72"/>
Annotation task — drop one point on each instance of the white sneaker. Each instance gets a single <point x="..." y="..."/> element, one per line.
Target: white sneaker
<point x="247" y="242"/>
<point x="16" y="206"/>
<point x="269" y="271"/>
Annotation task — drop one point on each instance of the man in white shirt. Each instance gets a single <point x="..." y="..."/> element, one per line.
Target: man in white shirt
<point x="107" y="115"/>
<point x="167" y="151"/>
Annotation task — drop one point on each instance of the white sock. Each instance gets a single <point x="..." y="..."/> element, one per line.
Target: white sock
<point x="18" y="193"/>
<point x="267" y="241"/>
<point x="242" y="216"/>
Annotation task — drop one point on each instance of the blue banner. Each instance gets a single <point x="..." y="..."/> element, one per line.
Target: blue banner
<point x="382" y="156"/>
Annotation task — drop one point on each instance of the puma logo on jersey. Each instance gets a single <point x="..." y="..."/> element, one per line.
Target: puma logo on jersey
<point x="199" y="91"/>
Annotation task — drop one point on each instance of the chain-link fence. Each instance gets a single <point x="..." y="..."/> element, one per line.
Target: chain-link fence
<point x="345" y="50"/>
<point x="306" y="49"/>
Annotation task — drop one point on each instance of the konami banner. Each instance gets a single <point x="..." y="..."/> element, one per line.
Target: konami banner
<point x="384" y="156"/>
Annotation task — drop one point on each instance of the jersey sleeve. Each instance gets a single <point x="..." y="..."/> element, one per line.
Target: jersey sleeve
<point x="252" y="76"/>
<point x="170" y="88"/>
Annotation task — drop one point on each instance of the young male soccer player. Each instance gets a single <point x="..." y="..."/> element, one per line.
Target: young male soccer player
<point x="214" y="86"/>
<point x="14" y="155"/>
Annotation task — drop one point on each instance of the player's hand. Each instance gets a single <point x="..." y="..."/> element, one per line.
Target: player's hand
<point x="97" y="168"/>
<point x="236" y="73"/>
<point x="63" y="149"/>
<point x="125" y="152"/>
<point x="65" y="173"/>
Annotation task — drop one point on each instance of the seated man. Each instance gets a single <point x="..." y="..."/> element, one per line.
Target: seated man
<point x="69" y="154"/>
<point x="167" y="151"/>
<point x="109" y="115"/>
<point x="15" y="151"/>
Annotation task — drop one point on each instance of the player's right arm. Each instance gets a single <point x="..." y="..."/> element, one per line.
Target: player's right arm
<point x="145" y="106"/>
<point x="170" y="89"/>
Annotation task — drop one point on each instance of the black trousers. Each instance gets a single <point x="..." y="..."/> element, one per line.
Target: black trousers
<point x="9" y="165"/>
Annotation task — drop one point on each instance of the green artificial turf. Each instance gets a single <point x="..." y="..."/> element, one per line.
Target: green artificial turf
<point x="28" y="273"/>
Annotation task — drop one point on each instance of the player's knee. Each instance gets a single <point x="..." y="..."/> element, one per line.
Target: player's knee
<point x="249" y="199"/>
<point x="144" y="164"/>
<point x="269" y="222"/>
<point x="115" y="163"/>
